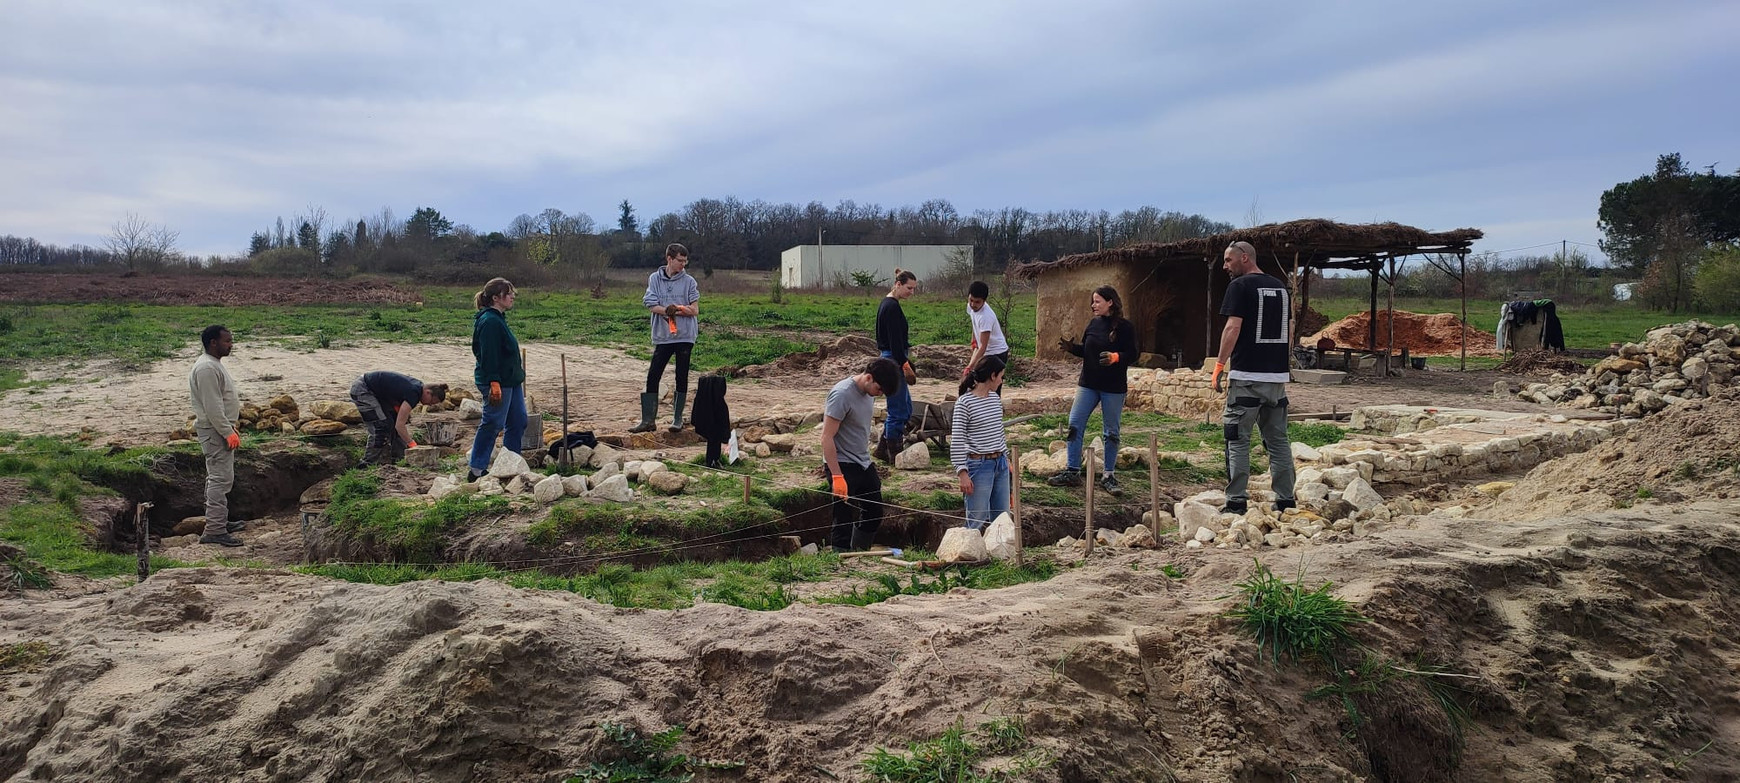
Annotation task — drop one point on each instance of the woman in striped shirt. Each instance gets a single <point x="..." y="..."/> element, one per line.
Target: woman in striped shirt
<point x="976" y="445"/>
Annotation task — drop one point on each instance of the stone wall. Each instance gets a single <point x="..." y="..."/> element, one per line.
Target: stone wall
<point x="1673" y="364"/>
<point x="1187" y="394"/>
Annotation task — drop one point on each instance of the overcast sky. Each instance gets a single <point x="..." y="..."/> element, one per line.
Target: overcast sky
<point x="216" y="117"/>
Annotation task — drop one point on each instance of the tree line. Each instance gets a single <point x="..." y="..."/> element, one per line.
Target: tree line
<point x="1677" y="230"/>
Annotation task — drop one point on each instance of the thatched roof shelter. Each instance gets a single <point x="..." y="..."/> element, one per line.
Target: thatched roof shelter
<point x="1161" y="276"/>
<point x="1314" y="243"/>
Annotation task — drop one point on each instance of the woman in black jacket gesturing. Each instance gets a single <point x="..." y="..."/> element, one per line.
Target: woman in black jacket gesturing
<point x="1107" y="347"/>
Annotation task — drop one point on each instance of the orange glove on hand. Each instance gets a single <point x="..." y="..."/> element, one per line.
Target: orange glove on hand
<point x="410" y="444"/>
<point x="1219" y="367"/>
<point x="911" y="376"/>
<point x="234" y="439"/>
<point x="495" y="392"/>
<point x="1108" y="358"/>
<point x="839" y="486"/>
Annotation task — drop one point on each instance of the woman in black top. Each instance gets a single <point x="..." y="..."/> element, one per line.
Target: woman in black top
<point x="1107" y="347"/>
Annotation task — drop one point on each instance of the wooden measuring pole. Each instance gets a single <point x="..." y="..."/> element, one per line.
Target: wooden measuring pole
<point x="142" y="534"/>
<point x="1015" y="497"/>
<point x="1087" y="466"/>
<point x="1154" y="479"/>
<point x="747" y="487"/>
<point x="566" y="459"/>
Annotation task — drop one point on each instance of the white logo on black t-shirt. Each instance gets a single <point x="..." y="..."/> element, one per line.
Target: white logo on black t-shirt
<point x="1273" y="316"/>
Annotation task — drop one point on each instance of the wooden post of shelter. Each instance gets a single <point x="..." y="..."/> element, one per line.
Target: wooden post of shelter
<point x="1462" y="281"/>
<point x="1208" y="333"/>
<point x="1015" y="497"/>
<point x="1087" y="465"/>
<point x="1371" y="314"/>
<point x="142" y="534"/>
<point x="1390" y="348"/>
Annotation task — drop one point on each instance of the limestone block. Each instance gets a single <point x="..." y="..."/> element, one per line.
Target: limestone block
<point x="1139" y="537"/>
<point x="490" y="485"/>
<point x="1193" y="515"/>
<point x="1108" y="537"/>
<point x="1193" y="544"/>
<point x="549" y="490"/>
<point x="1000" y="538"/>
<point x="668" y="482"/>
<point x="1339" y="478"/>
<point x="508" y="464"/>
<point x="337" y="411"/>
<point x="915" y="457"/>
<point x="650" y="467"/>
<point x="631" y="469"/>
<point x="613" y="488"/>
<point x="443" y="486"/>
<point x="322" y="427"/>
<point x="780" y="442"/>
<point x="961" y="545"/>
<point x="574" y="486"/>
<point x="763" y="450"/>
<point x="1203" y="534"/>
<point x="1362" y="496"/>
<point x="1312" y="494"/>
<point x="470" y="409"/>
<point x="610" y="469"/>
<point x="425" y="457"/>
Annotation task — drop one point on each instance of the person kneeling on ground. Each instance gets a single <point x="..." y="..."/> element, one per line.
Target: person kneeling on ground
<point x="846" y="425"/>
<point x="977" y="447"/>
<point x="384" y="399"/>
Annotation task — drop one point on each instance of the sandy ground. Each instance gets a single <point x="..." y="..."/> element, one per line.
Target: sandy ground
<point x="133" y="406"/>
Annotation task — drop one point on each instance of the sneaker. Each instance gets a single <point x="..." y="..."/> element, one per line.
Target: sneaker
<point x="473" y="475"/>
<point x="1110" y="485"/>
<point x="1065" y="478"/>
<point x="236" y="526"/>
<point x="221" y="539"/>
<point x="1234" y="508"/>
<point x="1283" y="505"/>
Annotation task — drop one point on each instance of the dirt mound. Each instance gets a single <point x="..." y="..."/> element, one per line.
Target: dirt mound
<point x="1687" y="451"/>
<point x="1540" y="363"/>
<point x="1423" y="335"/>
<point x="39" y="287"/>
<point x="1599" y="646"/>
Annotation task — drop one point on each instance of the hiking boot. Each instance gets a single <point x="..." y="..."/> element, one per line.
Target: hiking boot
<point x="1232" y="507"/>
<point x="1110" y="485"/>
<point x="221" y="539"/>
<point x="1065" y="478"/>
<point x="1283" y="505"/>
<point x="885" y="450"/>
<point x="649" y="409"/>
<point x="472" y="475"/>
<point x="236" y="526"/>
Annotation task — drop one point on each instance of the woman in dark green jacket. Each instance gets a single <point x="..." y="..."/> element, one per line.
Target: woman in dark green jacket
<point x="500" y="376"/>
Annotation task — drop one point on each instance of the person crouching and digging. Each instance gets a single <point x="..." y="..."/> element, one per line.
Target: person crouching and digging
<point x="217" y="410"/>
<point x="671" y="297"/>
<point x="384" y="399"/>
<point x="846" y="426"/>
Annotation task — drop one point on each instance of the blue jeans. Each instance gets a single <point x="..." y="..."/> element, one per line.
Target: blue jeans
<point x="990" y="490"/>
<point x="507" y="418"/>
<point x="899" y="409"/>
<point x="1111" y="415"/>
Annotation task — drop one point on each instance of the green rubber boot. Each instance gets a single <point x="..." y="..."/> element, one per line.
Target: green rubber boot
<point x="677" y="415"/>
<point x="649" y="408"/>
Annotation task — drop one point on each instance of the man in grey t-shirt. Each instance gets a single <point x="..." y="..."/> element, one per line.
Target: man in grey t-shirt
<point x="846" y="428"/>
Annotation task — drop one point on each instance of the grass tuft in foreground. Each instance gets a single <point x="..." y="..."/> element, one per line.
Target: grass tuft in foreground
<point x="1292" y="621"/>
<point x="414" y="529"/>
<point x="23" y="657"/>
<point x="988" y="577"/>
<point x="960" y="756"/>
<point x="646" y="759"/>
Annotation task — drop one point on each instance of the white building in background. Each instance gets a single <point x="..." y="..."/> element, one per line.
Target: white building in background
<point x="1622" y="291"/>
<point x="814" y="266"/>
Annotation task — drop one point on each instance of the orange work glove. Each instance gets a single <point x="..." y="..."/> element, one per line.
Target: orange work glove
<point x="410" y="444"/>
<point x="839" y="486"/>
<point x="911" y="377"/>
<point x="1108" y="358"/>
<point x="672" y="323"/>
<point x="1219" y="367"/>
<point x="495" y="392"/>
<point x="234" y="439"/>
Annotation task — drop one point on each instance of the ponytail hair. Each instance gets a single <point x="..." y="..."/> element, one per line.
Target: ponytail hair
<point x="988" y="367"/>
<point x="491" y="290"/>
<point x="902" y="276"/>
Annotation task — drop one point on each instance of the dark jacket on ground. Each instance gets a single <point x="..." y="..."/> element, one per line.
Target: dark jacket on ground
<point x="891" y="329"/>
<point x="1098" y="337"/>
<point x="497" y="352"/>
<point x="711" y="416"/>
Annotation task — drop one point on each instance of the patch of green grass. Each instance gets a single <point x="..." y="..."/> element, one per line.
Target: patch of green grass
<point x="1645" y="493"/>
<point x="651" y="759"/>
<point x="1292" y="621"/>
<point x="959" y="756"/>
<point x="23" y="657"/>
<point x="1376" y="678"/>
<point x="50" y="533"/>
<point x="1314" y="434"/>
<point x="580" y="519"/>
<point x="413" y="528"/>
<point x="25" y="574"/>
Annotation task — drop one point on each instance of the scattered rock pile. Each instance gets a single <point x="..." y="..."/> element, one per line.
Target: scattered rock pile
<point x="1673" y="364"/>
<point x="612" y="479"/>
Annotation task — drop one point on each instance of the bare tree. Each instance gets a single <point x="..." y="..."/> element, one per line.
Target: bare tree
<point x="138" y="243"/>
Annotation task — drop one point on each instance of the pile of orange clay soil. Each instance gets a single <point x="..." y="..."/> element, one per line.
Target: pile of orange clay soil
<point x="1423" y="335"/>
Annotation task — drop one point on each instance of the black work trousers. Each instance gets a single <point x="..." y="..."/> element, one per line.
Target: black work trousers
<point x="662" y="354"/>
<point x="863" y="497"/>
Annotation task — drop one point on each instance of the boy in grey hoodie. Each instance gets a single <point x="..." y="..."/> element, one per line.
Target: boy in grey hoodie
<point x="671" y="297"/>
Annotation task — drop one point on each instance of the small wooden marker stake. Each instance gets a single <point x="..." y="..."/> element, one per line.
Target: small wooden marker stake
<point x="142" y="535"/>
<point x="1087" y="465"/>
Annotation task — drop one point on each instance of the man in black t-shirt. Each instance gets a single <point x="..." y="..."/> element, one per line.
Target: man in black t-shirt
<point x="385" y="400"/>
<point x="1255" y="343"/>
